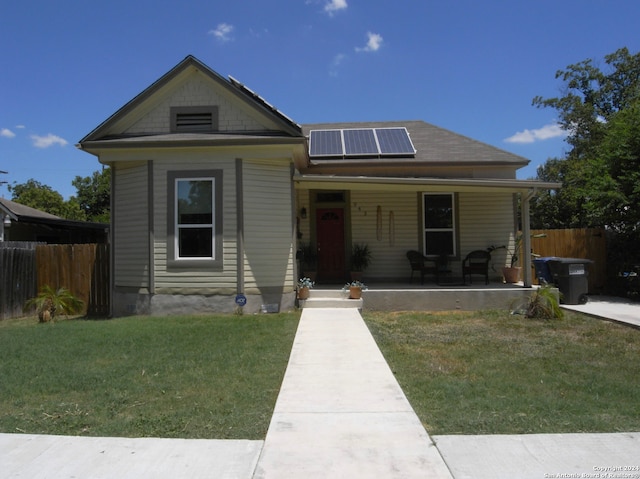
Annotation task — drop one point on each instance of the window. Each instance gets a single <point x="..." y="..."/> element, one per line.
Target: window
<point x="194" y="218"/>
<point x="194" y="119"/>
<point x="439" y="224"/>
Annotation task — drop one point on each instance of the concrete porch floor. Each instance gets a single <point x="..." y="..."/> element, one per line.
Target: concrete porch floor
<point x="390" y="296"/>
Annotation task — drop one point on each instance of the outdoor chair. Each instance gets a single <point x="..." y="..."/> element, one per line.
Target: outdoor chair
<point x="476" y="262"/>
<point x="422" y="265"/>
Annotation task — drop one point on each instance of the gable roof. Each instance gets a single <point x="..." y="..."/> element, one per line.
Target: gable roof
<point x="190" y="63"/>
<point x="435" y="146"/>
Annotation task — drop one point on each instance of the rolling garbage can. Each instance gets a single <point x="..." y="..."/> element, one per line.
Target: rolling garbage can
<point x="571" y="276"/>
<point x="543" y="271"/>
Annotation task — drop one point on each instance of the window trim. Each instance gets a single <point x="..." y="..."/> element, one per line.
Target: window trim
<point x="173" y="261"/>
<point x="454" y="228"/>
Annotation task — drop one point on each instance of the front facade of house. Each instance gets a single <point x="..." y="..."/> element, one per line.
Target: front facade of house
<point x="214" y="191"/>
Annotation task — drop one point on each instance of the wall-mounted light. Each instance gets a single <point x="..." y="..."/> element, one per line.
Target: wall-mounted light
<point x="303" y="213"/>
<point x="6" y="221"/>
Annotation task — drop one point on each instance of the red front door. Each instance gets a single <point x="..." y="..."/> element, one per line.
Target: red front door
<point x="330" y="240"/>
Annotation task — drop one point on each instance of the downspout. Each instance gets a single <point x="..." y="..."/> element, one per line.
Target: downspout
<point x="239" y="228"/>
<point x="526" y="237"/>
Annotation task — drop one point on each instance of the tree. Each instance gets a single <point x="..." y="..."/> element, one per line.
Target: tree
<point x="94" y="195"/>
<point x="44" y="198"/>
<point x="601" y="112"/>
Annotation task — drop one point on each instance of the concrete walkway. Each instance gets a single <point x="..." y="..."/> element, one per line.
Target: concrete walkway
<point x="619" y="310"/>
<point x="340" y="413"/>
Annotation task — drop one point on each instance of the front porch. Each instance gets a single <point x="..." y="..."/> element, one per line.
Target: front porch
<point x="427" y="297"/>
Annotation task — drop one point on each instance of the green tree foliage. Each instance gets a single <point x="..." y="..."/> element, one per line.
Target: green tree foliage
<point x="600" y="174"/>
<point x="44" y="198"/>
<point x="94" y="195"/>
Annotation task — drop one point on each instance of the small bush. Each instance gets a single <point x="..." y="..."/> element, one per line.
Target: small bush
<point x="50" y="301"/>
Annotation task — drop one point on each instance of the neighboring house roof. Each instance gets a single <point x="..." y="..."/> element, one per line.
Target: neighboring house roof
<point x="107" y="132"/>
<point x="18" y="212"/>
<point x="435" y="146"/>
<point x="26" y="214"/>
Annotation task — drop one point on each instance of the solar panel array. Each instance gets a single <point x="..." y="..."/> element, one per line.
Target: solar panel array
<point x="360" y="142"/>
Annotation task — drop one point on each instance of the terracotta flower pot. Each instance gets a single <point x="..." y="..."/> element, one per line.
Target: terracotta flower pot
<point x="355" y="292"/>
<point x="303" y="293"/>
<point x="511" y="274"/>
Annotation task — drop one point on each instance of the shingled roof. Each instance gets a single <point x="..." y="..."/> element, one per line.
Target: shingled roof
<point x="437" y="146"/>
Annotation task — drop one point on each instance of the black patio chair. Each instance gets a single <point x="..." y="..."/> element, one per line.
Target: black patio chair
<point x="476" y="262"/>
<point x="422" y="265"/>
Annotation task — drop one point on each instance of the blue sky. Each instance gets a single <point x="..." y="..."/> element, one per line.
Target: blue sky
<point x="472" y="67"/>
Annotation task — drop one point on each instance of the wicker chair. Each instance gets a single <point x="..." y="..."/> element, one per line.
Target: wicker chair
<point x="422" y="265"/>
<point x="476" y="262"/>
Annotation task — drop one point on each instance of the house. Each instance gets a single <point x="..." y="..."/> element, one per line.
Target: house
<point x="215" y="190"/>
<point x="23" y="223"/>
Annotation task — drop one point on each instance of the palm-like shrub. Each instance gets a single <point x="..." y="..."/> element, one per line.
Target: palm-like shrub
<point x="50" y="301"/>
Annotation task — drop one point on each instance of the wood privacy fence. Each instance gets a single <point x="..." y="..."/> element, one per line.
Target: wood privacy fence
<point x="17" y="277"/>
<point x="576" y="243"/>
<point x="83" y="269"/>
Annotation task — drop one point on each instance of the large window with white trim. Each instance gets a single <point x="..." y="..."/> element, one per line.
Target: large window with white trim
<point x="194" y="218"/>
<point x="439" y="222"/>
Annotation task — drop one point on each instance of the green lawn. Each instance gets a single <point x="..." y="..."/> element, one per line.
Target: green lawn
<point x="495" y="373"/>
<point x="219" y="376"/>
<point x="188" y="377"/>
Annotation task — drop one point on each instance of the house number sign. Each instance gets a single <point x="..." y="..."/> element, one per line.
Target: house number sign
<point x="241" y="299"/>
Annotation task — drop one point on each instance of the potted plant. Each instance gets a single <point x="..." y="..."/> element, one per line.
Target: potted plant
<point x="304" y="288"/>
<point x="360" y="260"/>
<point x="355" y="289"/>
<point x="511" y="273"/>
<point x="309" y="260"/>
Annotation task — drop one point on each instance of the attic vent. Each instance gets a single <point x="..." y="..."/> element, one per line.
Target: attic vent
<point x="194" y="119"/>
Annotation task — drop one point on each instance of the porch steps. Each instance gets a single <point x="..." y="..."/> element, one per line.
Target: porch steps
<point x="329" y="298"/>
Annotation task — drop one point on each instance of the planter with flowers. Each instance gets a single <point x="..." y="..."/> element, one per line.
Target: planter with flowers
<point x="355" y="289"/>
<point x="304" y="288"/>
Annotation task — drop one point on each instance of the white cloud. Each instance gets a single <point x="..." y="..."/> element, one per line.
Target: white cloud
<point x="552" y="130"/>
<point x="222" y="32"/>
<point x="47" y="141"/>
<point x="374" y="43"/>
<point x="334" y="6"/>
<point x="335" y="64"/>
<point x="6" y="133"/>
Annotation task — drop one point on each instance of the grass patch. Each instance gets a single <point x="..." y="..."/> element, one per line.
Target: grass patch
<point x="188" y="377"/>
<point x="494" y="373"/>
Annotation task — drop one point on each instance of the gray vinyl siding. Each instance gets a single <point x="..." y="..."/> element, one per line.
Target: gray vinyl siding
<point x="131" y="229"/>
<point x="483" y="220"/>
<point x="390" y="242"/>
<point x="268" y="231"/>
<point x="195" y="281"/>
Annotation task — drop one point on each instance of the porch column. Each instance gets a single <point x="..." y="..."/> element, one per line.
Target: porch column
<point x="526" y="238"/>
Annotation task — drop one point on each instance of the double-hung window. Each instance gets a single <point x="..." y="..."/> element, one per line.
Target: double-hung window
<point x="195" y="230"/>
<point x="194" y="218"/>
<point x="439" y="224"/>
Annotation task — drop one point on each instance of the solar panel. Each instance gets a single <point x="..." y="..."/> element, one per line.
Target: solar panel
<point x="360" y="142"/>
<point x="325" y="143"/>
<point x="394" y="141"/>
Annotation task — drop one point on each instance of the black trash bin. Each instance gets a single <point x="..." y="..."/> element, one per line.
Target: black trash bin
<point x="571" y="276"/>
<point x="543" y="271"/>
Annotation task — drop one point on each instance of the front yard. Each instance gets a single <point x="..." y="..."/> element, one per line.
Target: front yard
<point x="219" y="376"/>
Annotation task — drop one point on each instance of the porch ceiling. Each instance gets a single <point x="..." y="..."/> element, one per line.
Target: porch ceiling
<point x="480" y="185"/>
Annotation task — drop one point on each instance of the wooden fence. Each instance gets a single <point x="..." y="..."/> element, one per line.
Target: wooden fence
<point x="576" y="243"/>
<point x="83" y="269"/>
<point x="17" y="277"/>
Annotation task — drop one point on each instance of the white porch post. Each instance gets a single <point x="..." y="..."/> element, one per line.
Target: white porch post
<point x="526" y="238"/>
